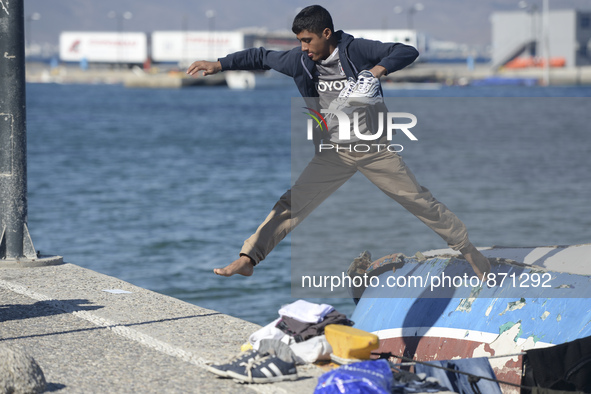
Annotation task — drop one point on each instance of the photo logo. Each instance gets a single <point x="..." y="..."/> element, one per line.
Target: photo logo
<point x="318" y="118"/>
<point x="387" y="125"/>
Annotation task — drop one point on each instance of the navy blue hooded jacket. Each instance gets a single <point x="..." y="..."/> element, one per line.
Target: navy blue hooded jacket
<point x="361" y="54"/>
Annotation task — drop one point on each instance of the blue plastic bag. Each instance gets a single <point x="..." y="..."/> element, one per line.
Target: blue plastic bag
<point x="374" y="376"/>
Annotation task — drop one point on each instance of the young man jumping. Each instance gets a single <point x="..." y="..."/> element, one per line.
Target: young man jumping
<point x="328" y="56"/>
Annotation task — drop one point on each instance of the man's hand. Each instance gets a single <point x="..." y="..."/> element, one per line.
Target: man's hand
<point x="208" y="68"/>
<point x="378" y="71"/>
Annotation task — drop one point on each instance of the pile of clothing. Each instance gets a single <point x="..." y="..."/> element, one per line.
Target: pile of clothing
<point x="296" y="337"/>
<point x="300" y="325"/>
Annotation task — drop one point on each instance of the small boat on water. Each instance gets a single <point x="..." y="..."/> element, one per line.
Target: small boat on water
<point x="429" y="307"/>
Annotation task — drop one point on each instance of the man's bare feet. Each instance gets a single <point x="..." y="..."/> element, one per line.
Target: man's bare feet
<point x="242" y="266"/>
<point x="479" y="263"/>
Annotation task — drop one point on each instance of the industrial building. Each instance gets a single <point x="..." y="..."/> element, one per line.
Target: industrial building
<point x="521" y="34"/>
<point x="183" y="47"/>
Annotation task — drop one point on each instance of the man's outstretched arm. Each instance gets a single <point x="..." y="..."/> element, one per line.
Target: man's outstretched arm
<point x="208" y="68"/>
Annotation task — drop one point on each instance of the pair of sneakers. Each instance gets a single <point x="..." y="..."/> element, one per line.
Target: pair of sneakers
<point x="253" y="367"/>
<point x="366" y="86"/>
<point x="365" y="89"/>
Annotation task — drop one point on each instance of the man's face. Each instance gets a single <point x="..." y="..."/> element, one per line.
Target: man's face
<point x="317" y="47"/>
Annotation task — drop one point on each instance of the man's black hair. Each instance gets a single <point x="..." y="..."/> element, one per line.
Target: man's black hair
<point x="314" y="19"/>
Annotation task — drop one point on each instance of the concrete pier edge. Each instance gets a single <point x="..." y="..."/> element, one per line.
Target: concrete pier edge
<point x="117" y="336"/>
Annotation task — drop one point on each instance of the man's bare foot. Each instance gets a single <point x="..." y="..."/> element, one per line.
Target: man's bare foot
<point x="242" y="266"/>
<point x="479" y="263"/>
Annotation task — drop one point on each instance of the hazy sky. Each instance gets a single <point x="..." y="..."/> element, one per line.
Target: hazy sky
<point x="464" y="21"/>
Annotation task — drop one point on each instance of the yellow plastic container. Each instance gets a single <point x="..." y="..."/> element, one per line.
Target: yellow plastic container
<point x="350" y="343"/>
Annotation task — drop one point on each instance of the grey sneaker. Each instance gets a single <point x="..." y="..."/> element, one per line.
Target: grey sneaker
<point x="342" y="101"/>
<point x="350" y="86"/>
<point x="367" y="87"/>
<point x="267" y="369"/>
<point x="243" y="358"/>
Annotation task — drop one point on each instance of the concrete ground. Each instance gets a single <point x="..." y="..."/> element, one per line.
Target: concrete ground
<point x="88" y="340"/>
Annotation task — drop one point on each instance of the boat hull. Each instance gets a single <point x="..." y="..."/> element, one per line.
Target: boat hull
<point x="498" y="322"/>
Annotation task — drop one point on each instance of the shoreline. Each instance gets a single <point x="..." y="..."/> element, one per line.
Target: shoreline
<point x="422" y="73"/>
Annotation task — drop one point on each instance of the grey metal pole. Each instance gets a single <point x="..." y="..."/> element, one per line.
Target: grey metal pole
<point x="13" y="163"/>
<point x="15" y="242"/>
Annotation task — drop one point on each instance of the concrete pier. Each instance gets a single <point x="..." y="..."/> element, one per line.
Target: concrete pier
<point x="123" y="340"/>
<point x="133" y="78"/>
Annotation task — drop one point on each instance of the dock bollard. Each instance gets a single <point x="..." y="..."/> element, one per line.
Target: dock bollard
<point x="16" y="246"/>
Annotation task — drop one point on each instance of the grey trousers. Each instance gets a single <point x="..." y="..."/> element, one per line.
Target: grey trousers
<point x="327" y="171"/>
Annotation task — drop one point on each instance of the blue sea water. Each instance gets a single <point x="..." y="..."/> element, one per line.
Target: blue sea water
<point x="158" y="187"/>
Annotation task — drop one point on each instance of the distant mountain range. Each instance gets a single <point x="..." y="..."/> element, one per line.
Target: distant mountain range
<point x="463" y="21"/>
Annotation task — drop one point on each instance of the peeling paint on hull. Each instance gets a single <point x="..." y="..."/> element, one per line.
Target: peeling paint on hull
<point x="484" y="323"/>
<point x="507" y="369"/>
